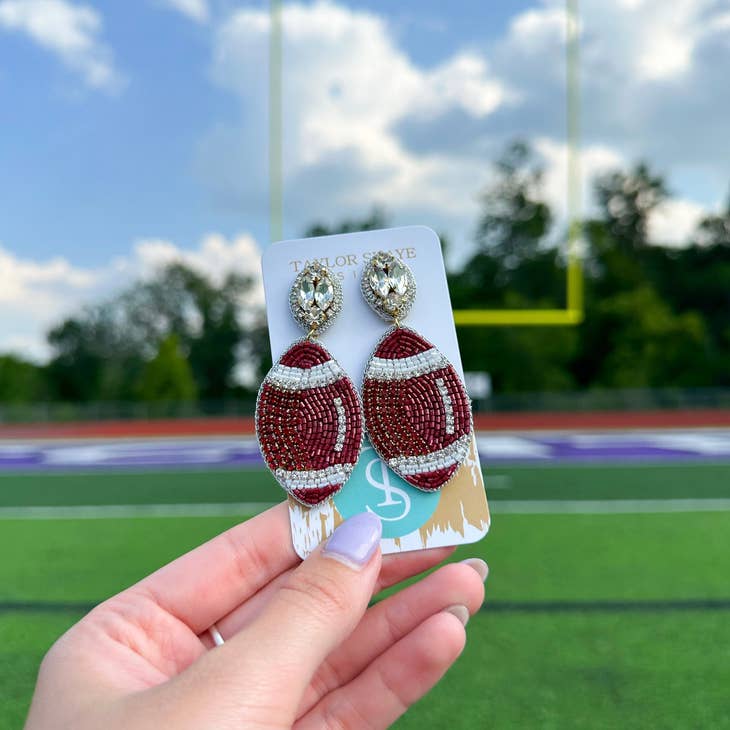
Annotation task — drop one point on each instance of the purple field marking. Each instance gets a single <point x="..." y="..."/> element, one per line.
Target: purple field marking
<point x="665" y="446"/>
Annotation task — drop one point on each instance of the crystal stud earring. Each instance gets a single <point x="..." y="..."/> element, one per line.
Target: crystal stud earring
<point x="417" y="411"/>
<point x="308" y="413"/>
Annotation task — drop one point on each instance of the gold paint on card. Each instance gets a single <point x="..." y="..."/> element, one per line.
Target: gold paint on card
<point x="463" y="502"/>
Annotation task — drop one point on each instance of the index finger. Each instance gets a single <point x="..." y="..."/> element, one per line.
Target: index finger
<point x="211" y="580"/>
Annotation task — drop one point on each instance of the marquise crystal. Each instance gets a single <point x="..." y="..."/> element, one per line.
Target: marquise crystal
<point x="388" y="286"/>
<point x="398" y="278"/>
<point x="315" y="298"/>
<point x="324" y="293"/>
<point x="305" y="295"/>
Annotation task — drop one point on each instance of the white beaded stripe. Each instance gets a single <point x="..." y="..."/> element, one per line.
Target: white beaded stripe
<point x="448" y="406"/>
<point x="341" y="424"/>
<point x="381" y="368"/>
<point x="318" y="376"/>
<point x="453" y="454"/>
<point x="337" y="474"/>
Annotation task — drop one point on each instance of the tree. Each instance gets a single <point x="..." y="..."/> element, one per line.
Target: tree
<point x="94" y="358"/>
<point x="101" y="352"/>
<point x="518" y="359"/>
<point x="714" y="230"/>
<point x="619" y="253"/>
<point x="375" y="220"/>
<point x="167" y="377"/>
<point x="20" y="381"/>
<point x="626" y="199"/>
<point x="515" y="220"/>
<point x="207" y="319"/>
<point x="515" y="255"/>
<point x="515" y="267"/>
<point x="697" y="278"/>
<point x="642" y="343"/>
<point x="654" y="316"/>
<point x="694" y="279"/>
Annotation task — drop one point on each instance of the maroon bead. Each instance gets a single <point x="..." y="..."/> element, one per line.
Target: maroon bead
<point x="298" y="424"/>
<point x="407" y="417"/>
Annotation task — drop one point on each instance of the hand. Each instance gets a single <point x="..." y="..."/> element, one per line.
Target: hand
<point x="302" y="649"/>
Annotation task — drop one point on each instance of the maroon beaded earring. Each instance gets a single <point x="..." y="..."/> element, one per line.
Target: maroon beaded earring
<point x="308" y="413"/>
<point x="417" y="412"/>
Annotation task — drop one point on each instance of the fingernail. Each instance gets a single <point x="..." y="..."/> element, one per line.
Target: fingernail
<point x="461" y="612"/>
<point x="479" y="565"/>
<point x="355" y="540"/>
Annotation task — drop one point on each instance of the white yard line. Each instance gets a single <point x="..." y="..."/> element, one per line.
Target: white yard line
<point x="606" y="506"/>
<point x="126" y="511"/>
<point x="224" y="509"/>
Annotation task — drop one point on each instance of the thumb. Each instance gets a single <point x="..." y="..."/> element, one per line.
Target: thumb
<point x="320" y="604"/>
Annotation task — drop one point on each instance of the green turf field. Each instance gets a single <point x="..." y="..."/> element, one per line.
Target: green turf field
<point x="526" y="665"/>
<point x="656" y="481"/>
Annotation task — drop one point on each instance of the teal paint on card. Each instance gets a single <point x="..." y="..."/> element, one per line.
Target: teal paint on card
<point x="375" y="488"/>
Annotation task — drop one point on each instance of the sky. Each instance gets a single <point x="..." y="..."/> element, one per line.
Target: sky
<point x="134" y="134"/>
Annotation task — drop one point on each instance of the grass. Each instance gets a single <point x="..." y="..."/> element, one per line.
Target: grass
<point x="579" y="671"/>
<point x="664" y="669"/>
<point x="24" y="639"/>
<point x="645" y="481"/>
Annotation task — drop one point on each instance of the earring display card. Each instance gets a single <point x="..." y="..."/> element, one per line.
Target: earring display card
<point x="412" y="519"/>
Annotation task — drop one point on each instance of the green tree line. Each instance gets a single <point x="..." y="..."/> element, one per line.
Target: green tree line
<point x="176" y="338"/>
<point x="655" y="316"/>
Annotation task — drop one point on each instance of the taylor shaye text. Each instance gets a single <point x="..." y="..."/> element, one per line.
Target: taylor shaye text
<point x="342" y="261"/>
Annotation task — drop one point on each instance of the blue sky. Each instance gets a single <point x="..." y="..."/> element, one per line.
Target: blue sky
<point x="135" y="133"/>
<point x="86" y="171"/>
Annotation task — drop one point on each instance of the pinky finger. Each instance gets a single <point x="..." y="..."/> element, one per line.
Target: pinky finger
<point x="394" y="681"/>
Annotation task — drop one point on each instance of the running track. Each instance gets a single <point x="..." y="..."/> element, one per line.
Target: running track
<point x="79" y="454"/>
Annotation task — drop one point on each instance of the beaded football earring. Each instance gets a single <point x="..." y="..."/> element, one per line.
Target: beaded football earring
<point x="417" y="411"/>
<point x="308" y="413"/>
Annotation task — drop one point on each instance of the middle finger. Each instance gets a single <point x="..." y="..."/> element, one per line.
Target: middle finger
<point x="395" y="569"/>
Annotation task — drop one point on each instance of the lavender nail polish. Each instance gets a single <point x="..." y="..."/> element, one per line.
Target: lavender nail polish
<point x="355" y="540"/>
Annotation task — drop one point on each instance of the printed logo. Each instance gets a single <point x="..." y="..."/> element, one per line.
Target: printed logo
<point x="373" y="487"/>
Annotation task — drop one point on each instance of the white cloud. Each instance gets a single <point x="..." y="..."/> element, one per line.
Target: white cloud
<point x="196" y="10"/>
<point x="651" y="89"/>
<point x="70" y="31"/>
<point x="364" y="123"/>
<point x="35" y="295"/>
<point x="347" y="87"/>
<point x="647" y="40"/>
<point x="216" y="257"/>
<point x="666" y="51"/>
<point x="673" y="222"/>
<point x="650" y="75"/>
<point x="537" y="28"/>
<point x="593" y="160"/>
<point x="462" y="81"/>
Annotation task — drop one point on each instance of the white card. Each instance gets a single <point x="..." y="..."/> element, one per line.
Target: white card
<point x="412" y="519"/>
